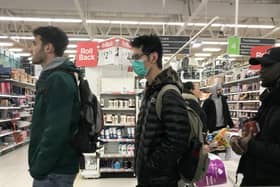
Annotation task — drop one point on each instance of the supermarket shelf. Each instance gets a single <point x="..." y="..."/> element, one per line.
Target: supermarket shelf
<point x="32" y="96"/>
<point x="14" y="145"/>
<point x="6" y="134"/>
<point x="12" y="96"/>
<point x="28" y="109"/>
<point x="10" y="108"/>
<point x="116" y="156"/>
<point x="118" y="109"/>
<point x="237" y="93"/>
<point x="26" y="116"/>
<point x="111" y="170"/>
<point x="252" y="111"/>
<point x="7" y="120"/>
<point x="24" y="84"/>
<point x="118" y="125"/>
<point x="246" y="101"/>
<point x="24" y="106"/>
<point x="27" y="124"/>
<point x="117" y="140"/>
<point x="242" y="81"/>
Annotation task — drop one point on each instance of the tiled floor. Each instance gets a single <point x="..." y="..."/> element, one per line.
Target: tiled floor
<point x="14" y="173"/>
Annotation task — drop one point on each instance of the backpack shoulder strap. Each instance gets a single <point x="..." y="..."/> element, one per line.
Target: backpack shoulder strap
<point x="160" y="95"/>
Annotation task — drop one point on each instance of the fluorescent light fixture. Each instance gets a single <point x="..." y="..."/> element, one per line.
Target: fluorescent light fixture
<point x="211" y="49"/>
<point x="6" y="44"/>
<point x="37" y="19"/>
<point x="203" y="54"/>
<point x="69" y="51"/>
<point x="79" y="39"/>
<point x="24" y="54"/>
<point x="277" y="45"/>
<point x="196" y="45"/>
<point x="213" y="43"/>
<point x="151" y="23"/>
<point x="30" y="59"/>
<point x="199" y="59"/>
<point x="22" y="37"/>
<point x="197" y="24"/>
<point x="16" y="49"/>
<point x="98" y="21"/>
<point x="3" y="37"/>
<point x="71" y="46"/>
<point x="175" y="23"/>
<point x="125" y="22"/>
<point x="233" y="25"/>
<point x="98" y="40"/>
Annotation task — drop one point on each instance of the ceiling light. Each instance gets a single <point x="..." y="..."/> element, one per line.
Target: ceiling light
<point x="6" y="44"/>
<point x="36" y="19"/>
<point x="196" y="45"/>
<point x="22" y="37"/>
<point x="211" y="49"/>
<point x="125" y="22"/>
<point x="30" y="59"/>
<point x="175" y="23"/>
<point x="98" y="21"/>
<point x="277" y="45"/>
<point x="16" y="49"/>
<point x="71" y="46"/>
<point x="98" y="40"/>
<point x="24" y="54"/>
<point x="213" y="43"/>
<point x="203" y="54"/>
<point x="79" y="39"/>
<point x="151" y="23"/>
<point x="3" y="37"/>
<point x="70" y="51"/>
<point x="233" y="25"/>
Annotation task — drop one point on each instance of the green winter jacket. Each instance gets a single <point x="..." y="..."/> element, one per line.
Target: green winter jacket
<point x="55" y="118"/>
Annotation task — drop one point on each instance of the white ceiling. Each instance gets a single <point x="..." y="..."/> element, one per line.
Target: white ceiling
<point x="251" y="12"/>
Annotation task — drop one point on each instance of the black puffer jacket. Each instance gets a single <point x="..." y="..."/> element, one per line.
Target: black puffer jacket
<point x="261" y="164"/>
<point x="160" y="143"/>
<point x="210" y="110"/>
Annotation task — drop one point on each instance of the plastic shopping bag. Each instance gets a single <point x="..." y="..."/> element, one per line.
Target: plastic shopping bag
<point x="216" y="173"/>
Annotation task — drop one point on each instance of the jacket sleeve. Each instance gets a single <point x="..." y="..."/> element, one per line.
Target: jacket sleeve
<point x="228" y="116"/>
<point x="177" y="130"/>
<point x="60" y="97"/>
<point x="267" y="151"/>
<point x="205" y="108"/>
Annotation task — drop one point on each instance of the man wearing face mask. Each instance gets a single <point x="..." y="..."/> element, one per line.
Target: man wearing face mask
<point x="260" y="149"/>
<point x="216" y="109"/>
<point x="159" y="143"/>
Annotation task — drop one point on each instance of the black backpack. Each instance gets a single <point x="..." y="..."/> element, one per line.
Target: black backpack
<point x="84" y="139"/>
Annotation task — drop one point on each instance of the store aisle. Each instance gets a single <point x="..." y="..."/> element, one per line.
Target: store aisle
<point x="14" y="173"/>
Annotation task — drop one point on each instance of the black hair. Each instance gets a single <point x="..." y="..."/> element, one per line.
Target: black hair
<point x="188" y="87"/>
<point x="53" y="35"/>
<point x="149" y="44"/>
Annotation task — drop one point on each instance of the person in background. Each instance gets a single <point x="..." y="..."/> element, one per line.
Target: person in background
<point x="53" y="162"/>
<point x="191" y="94"/>
<point x="159" y="143"/>
<point x="260" y="143"/>
<point x="216" y="109"/>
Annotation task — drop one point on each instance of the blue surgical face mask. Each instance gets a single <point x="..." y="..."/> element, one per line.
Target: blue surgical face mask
<point x="139" y="68"/>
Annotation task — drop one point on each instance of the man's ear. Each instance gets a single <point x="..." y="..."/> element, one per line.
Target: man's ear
<point x="48" y="48"/>
<point x="154" y="57"/>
